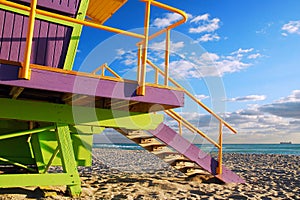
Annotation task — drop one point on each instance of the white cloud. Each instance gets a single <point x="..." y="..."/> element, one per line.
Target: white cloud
<point x="201" y="96"/>
<point x="209" y="37"/>
<point x="174" y="46"/>
<point x="120" y="52"/>
<point x="206" y="26"/>
<point x="254" y="56"/>
<point x="210" y="56"/>
<point x="288" y="107"/>
<point x="292" y="27"/>
<point x="242" y="51"/>
<point x="167" y="20"/>
<point x="248" y="98"/>
<point x="198" y="18"/>
<point x="294" y="97"/>
<point x="256" y="124"/>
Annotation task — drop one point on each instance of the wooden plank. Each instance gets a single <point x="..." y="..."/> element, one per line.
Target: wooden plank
<point x="60" y="34"/>
<point x="74" y="83"/>
<point x="65" y="46"/>
<point x="16" y="38"/>
<point x="68" y="7"/>
<point x="6" y="36"/>
<point x="42" y="48"/>
<point x="16" y="91"/>
<point x="192" y="152"/>
<point x="23" y="38"/>
<point x="2" y="18"/>
<point x="35" y="41"/>
<point x="49" y="57"/>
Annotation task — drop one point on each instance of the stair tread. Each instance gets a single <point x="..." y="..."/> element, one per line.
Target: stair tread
<point x="192" y="152"/>
<point x="151" y="144"/>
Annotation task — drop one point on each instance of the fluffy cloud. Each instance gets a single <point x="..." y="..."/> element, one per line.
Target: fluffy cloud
<point x="174" y="46"/>
<point x="248" y="98"/>
<point x="292" y="27"/>
<point x="204" y="24"/>
<point x="201" y="96"/>
<point x="254" y="56"/>
<point x="167" y="20"/>
<point x="198" y="18"/>
<point x="211" y="64"/>
<point x="294" y="97"/>
<point x="241" y="51"/>
<point x="279" y="121"/>
<point x="209" y="37"/>
<point x="288" y="107"/>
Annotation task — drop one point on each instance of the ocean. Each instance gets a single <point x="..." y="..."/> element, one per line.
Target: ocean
<point x="286" y="149"/>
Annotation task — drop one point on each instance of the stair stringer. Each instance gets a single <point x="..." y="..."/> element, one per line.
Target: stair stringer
<point x="192" y="152"/>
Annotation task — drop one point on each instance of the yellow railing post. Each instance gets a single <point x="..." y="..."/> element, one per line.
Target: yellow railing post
<point x="156" y="76"/>
<point x="139" y="54"/>
<point x="103" y="71"/>
<point x="167" y="57"/>
<point x="220" y="158"/>
<point x="25" y="71"/>
<point x="142" y="83"/>
<point x="180" y="127"/>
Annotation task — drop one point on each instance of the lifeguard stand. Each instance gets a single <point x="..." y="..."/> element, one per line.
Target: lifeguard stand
<point x="44" y="122"/>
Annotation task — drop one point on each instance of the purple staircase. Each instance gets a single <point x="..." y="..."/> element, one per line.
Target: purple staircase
<point x="193" y="153"/>
<point x="171" y="147"/>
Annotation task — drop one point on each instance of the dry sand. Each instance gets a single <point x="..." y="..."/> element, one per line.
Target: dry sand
<point x="127" y="174"/>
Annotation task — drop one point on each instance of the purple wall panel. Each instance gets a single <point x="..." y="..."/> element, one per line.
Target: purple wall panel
<point x="42" y="44"/>
<point x="16" y="38"/>
<point x="2" y="15"/>
<point x="50" y="42"/>
<point x="23" y="39"/>
<point x="35" y="41"/>
<point x="6" y="36"/>
<point x="60" y="34"/>
<point x="69" y="7"/>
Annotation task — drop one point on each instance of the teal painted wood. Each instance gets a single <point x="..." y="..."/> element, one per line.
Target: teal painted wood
<point x="192" y="152"/>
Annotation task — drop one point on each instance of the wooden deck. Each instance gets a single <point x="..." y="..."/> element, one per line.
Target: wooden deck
<point x="85" y="90"/>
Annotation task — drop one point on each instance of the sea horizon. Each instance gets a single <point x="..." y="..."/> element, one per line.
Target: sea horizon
<point x="276" y="148"/>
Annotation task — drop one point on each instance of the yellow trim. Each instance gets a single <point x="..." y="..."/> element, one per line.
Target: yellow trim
<point x="25" y="70"/>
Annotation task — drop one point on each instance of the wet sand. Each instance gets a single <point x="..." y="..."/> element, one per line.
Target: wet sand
<point x="128" y="174"/>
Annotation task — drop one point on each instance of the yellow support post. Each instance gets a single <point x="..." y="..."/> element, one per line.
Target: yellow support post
<point x="167" y="57"/>
<point x="25" y="71"/>
<point x="139" y="54"/>
<point x="156" y="77"/>
<point x="220" y="158"/>
<point x="142" y="83"/>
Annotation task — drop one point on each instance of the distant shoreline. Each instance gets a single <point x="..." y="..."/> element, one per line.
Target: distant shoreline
<point x="281" y="149"/>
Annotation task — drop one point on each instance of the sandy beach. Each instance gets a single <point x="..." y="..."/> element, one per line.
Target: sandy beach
<point x="137" y="174"/>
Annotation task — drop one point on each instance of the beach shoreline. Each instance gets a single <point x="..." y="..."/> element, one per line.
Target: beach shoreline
<point x="137" y="174"/>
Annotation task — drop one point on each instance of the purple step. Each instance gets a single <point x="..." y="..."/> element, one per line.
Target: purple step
<point x="192" y="152"/>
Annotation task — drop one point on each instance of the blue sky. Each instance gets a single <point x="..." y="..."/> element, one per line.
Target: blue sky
<point x="251" y="47"/>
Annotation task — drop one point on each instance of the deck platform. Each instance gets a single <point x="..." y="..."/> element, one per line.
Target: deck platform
<point x="61" y="86"/>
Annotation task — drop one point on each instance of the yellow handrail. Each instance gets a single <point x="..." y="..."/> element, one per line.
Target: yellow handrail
<point x="193" y="98"/>
<point x="190" y="126"/>
<point x="103" y="67"/>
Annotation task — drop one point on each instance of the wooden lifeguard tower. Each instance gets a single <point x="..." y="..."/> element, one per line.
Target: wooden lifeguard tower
<point x="44" y="122"/>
